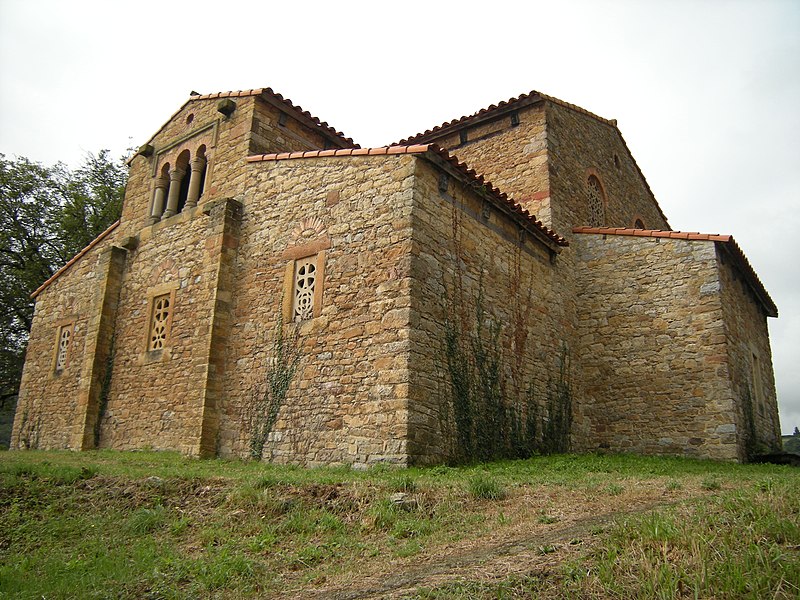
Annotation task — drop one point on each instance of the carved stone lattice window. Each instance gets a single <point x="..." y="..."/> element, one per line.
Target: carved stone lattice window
<point x="62" y="351"/>
<point x="159" y="322"/>
<point x="305" y="279"/>
<point x="596" y="197"/>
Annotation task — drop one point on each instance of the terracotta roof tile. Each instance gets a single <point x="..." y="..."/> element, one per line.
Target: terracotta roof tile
<point x="729" y="243"/>
<point x="531" y="97"/>
<point x="75" y="259"/>
<point x="543" y="232"/>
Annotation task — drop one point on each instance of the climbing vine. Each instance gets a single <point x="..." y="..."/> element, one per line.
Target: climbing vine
<point x="271" y="395"/>
<point x="105" y="388"/>
<point x="494" y="407"/>
<point x="493" y="414"/>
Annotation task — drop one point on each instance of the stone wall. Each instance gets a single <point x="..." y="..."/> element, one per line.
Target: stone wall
<point x="49" y="413"/>
<point x="347" y="403"/>
<point x="654" y="347"/>
<point x="197" y="123"/>
<point x="543" y="159"/>
<point x="659" y="343"/>
<point x="542" y="155"/>
<point x="276" y="130"/>
<point x="155" y="397"/>
<point x="749" y="362"/>
<point x="510" y="154"/>
<point x="461" y="252"/>
<point x="579" y="145"/>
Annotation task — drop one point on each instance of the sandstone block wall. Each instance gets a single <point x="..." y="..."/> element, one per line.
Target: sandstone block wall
<point x="197" y="123"/>
<point x="653" y="348"/>
<point x="460" y="252"/>
<point x="276" y="130"/>
<point x="667" y="350"/>
<point x="579" y="145"/>
<point x="49" y="415"/>
<point x="348" y="401"/>
<point x="510" y="154"/>
<point x="749" y="362"/>
<point x="98" y="348"/>
<point x="155" y="398"/>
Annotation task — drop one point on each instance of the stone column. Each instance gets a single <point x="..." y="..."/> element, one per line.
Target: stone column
<point x="198" y="166"/>
<point x="175" y="179"/>
<point x="159" y="198"/>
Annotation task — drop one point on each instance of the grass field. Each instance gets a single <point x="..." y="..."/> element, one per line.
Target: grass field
<point x="155" y="525"/>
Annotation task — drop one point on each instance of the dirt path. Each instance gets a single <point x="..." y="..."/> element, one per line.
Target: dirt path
<point x="530" y="548"/>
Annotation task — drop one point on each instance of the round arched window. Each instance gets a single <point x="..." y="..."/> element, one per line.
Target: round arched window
<point x="597" y="202"/>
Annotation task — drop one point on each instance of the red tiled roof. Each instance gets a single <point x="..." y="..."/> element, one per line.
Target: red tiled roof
<point x="529" y="98"/>
<point x="470" y="175"/>
<point x="418" y="149"/>
<point x="739" y="258"/>
<point x="524" y="100"/>
<point x="75" y="259"/>
<point x="270" y="93"/>
<point x="678" y="235"/>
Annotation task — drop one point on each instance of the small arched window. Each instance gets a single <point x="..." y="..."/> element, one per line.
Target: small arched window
<point x="597" y="202"/>
<point x="638" y="224"/>
<point x="183" y="165"/>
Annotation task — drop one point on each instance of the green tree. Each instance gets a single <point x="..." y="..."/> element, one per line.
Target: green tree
<point x="47" y="215"/>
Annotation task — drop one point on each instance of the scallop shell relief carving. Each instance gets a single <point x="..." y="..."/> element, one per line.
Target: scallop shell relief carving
<point x="307" y="229"/>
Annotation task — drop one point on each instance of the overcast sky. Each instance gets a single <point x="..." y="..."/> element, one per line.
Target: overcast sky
<point x="706" y="93"/>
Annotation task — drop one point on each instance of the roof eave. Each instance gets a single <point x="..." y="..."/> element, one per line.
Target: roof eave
<point x="744" y="267"/>
<point x="490" y="113"/>
<point x="505" y="204"/>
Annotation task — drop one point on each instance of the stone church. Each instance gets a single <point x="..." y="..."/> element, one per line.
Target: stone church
<point x="503" y="279"/>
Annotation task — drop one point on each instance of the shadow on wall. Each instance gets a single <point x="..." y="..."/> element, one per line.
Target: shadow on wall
<point x="6" y="422"/>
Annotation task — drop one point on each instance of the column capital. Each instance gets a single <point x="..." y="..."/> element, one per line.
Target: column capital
<point x="176" y="174"/>
<point x="198" y="163"/>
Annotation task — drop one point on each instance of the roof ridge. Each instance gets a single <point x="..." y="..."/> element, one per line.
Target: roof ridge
<point x="501" y="197"/>
<point x="576" y="108"/>
<point x="504" y="105"/>
<point x="275" y="156"/>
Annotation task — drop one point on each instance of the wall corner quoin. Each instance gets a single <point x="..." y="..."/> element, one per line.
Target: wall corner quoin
<point x="223" y="230"/>
<point x="98" y="353"/>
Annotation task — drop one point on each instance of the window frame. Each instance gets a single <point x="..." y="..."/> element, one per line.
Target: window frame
<point x="61" y="326"/>
<point x="153" y="294"/>
<point x="290" y="277"/>
<point x="593" y="175"/>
